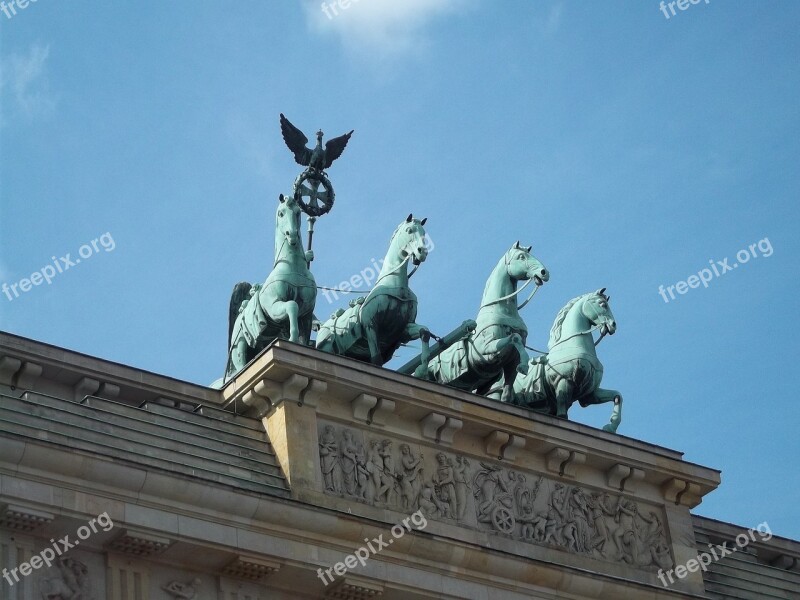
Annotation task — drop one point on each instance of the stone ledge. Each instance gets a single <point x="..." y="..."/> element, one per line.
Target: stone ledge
<point x="66" y="367"/>
<point x="446" y="415"/>
<point x="306" y="537"/>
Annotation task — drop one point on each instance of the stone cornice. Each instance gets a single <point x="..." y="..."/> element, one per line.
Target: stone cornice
<point x="25" y="362"/>
<point x="135" y="498"/>
<point x="445" y="412"/>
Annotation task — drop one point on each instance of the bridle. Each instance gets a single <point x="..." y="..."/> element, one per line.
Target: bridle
<point x="507" y="261"/>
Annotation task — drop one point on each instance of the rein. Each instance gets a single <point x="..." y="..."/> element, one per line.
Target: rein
<point x="512" y="294"/>
<point x="392" y="272"/>
<point x="396" y="269"/>
<point x="588" y="331"/>
<point x="278" y="258"/>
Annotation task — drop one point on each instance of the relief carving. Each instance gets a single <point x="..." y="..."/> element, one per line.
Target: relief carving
<point x="182" y="591"/>
<point x="378" y="472"/>
<point x="329" y="460"/>
<point x="537" y="510"/>
<point x="594" y="524"/>
<point x="73" y="583"/>
<point x="411" y="479"/>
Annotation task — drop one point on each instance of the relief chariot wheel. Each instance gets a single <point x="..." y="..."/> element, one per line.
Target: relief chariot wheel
<point x="503" y="520"/>
<point x="313" y="201"/>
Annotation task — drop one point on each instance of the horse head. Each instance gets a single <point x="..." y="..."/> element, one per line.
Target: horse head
<point x="597" y="310"/>
<point x="522" y="265"/>
<point x="287" y="224"/>
<point x="409" y="238"/>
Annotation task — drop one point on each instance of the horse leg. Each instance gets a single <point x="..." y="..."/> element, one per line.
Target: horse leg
<point x="238" y="355"/>
<point x="511" y="367"/>
<point x="282" y="310"/>
<point x="524" y="358"/>
<point x="601" y="396"/>
<point x="304" y="325"/>
<point x="509" y="375"/>
<point x="372" y="340"/>
<point x="420" y="332"/>
<point x="564" y="390"/>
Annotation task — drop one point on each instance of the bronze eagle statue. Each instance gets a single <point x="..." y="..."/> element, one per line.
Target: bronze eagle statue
<point x="319" y="158"/>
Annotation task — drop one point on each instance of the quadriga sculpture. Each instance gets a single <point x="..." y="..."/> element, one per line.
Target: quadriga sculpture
<point x="374" y="326"/>
<point x="281" y="308"/>
<point x="497" y="346"/>
<point x="571" y="371"/>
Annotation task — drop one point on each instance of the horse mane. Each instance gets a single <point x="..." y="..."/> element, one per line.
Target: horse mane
<point x="555" y="332"/>
<point x="502" y="262"/>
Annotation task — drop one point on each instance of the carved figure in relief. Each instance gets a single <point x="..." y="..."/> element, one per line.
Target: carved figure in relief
<point x="349" y="459"/>
<point x="661" y="556"/>
<point x="374" y="468"/>
<point x="461" y="471"/>
<point x="655" y="531"/>
<point x="579" y="511"/>
<point x="523" y="505"/>
<point x="494" y="501"/>
<point x="411" y="478"/>
<point x="522" y="496"/>
<point x="388" y="476"/>
<point x="362" y="472"/>
<point x="648" y="545"/>
<point x="429" y="504"/>
<point x="182" y="591"/>
<point x="72" y="585"/>
<point x="560" y="529"/>
<point x="329" y="460"/>
<point x="625" y="533"/>
<point x="599" y="509"/>
<point x="444" y="483"/>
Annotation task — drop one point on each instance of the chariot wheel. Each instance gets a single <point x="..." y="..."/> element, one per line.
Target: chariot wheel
<point x="313" y="192"/>
<point x="503" y="520"/>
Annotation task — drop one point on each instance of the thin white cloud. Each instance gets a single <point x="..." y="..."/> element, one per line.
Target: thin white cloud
<point x="381" y="28"/>
<point x="554" y="19"/>
<point x="23" y="80"/>
<point x="251" y="140"/>
<point x="547" y="21"/>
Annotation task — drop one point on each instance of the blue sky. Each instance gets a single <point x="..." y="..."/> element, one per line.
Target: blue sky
<point x="629" y="149"/>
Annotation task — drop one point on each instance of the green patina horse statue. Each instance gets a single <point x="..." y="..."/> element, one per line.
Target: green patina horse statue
<point x="374" y="326"/>
<point x="283" y="306"/>
<point x="571" y="371"/>
<point x="497" y="346"/>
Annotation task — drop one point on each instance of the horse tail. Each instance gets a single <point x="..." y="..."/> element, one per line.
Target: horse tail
<point x="241" y="292"/>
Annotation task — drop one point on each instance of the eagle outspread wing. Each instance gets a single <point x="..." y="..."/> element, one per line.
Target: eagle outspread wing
<point x="296" y="141"/>
<point x="335" y="147"/>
